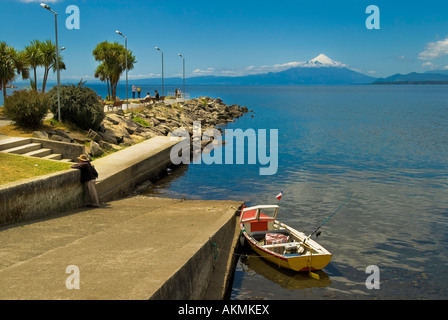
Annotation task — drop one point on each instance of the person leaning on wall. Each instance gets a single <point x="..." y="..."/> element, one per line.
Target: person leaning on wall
<point x="88" y="178"/>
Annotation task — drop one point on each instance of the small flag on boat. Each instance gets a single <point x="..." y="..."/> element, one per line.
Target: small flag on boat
<point x="279" y="196"/>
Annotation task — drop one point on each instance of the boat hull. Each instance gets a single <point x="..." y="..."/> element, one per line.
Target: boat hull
<point x="296" y="263"/>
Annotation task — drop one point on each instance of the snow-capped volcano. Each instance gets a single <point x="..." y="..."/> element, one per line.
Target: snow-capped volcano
<point x="324" y="61"/>
<point x="321" y="70"/>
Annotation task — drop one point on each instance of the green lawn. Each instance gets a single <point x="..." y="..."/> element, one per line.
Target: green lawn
<point x="15" y="167"/>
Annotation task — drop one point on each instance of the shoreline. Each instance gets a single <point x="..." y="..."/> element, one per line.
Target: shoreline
<point x="124" y="128"/>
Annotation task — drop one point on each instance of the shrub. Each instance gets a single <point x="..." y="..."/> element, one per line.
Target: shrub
<point x="79" y="106"/>
<point x="27" y="108"/>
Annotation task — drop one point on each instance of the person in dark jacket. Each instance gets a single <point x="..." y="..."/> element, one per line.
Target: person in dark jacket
<point x="88" y="177"/>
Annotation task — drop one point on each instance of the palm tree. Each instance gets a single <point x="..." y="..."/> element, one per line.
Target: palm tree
<point x="113" y="58"/>
<point x="34" y="58"/>
<point x="12" y="63"/>
<point x="102" y="73"/>
<point x="49" y="54"/>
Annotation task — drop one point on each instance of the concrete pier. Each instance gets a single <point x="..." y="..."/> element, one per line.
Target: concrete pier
<point x="133" y="248"/>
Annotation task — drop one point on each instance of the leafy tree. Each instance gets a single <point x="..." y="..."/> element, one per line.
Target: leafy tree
<point x="113" y="63"/>
<point x="49" y="54"/>
<point x="33" y="54"/>
<point x="102" y="73"/>
<point x="12" y="63"/>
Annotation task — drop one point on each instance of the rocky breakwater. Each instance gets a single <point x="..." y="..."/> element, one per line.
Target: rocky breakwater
<point x="124" y="128"/>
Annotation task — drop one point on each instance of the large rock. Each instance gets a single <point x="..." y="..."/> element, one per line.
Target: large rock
<point x="118" y="120"/>
<point x="94" y="149"/>
<point x="40" y="135"/>
<point x="59" y="135"/>
<point x="109" y="136"/>
<point x="120" y="131"/>
<point x="108" y="146"/>
<point x="94" y="135"/>
<point x="76" y="137"/>
<point x="147" y="134"/>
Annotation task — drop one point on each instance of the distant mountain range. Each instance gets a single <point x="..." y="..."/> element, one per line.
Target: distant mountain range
<point x="429" y="77"/>
<point x="320" y="70"/>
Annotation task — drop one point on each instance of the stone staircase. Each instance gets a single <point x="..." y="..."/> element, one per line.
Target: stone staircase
<point x="26" y="147"/>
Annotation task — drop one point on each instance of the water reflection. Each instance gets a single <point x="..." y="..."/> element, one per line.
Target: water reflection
<point x="287" y="279"/>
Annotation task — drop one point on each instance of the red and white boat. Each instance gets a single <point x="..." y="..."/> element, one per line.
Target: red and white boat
<point x="278" y="242"/>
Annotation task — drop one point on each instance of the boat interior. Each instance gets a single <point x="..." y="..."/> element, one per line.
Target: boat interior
<point x="270" y="234"/>
<point x="289" y="245"/>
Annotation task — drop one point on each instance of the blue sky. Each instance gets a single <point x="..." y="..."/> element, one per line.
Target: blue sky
<point x="238" y="37"/>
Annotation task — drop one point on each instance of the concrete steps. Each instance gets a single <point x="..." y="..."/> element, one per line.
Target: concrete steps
<point x="11" y="142"/>
<point x="25" y="147"/>
<point x="39" y="153"/>
<point x="53" y="156"/>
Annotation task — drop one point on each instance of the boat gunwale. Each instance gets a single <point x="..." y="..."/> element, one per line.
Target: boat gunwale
<point x="291" y="230"/>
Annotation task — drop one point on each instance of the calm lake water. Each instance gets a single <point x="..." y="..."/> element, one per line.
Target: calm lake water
<point x="387" y="143"/>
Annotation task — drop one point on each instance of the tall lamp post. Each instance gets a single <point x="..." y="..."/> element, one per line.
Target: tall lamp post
<point x="43" y="5"/>
<point x="157" y="48"/>
<point x="126" y="59"/>
<point x="183" y="72"/>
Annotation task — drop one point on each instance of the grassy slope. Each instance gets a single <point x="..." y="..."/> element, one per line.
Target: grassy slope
<point x="15" y="167"/>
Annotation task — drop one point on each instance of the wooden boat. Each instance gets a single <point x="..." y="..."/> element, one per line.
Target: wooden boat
<point x="278" y="242"/>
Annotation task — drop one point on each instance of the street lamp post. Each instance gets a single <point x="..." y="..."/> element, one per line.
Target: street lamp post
<point x="183" y="71"/>
<point x="126" y="59"/>
<point x="157" y="48"/>
<point x="43" y="5"/>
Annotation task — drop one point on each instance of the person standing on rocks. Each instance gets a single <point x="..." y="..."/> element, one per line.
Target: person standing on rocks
<point x="133" y="91"/>
<point x="139" y="91"/>
<point x="88" y="177"/>
<point x="157" y="95"/>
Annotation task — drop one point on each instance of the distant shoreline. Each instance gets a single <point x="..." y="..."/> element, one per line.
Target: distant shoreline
<point x="102" y="92"/>
<point x="409" y="82"/>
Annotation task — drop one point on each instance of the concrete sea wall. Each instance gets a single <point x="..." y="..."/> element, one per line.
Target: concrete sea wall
<point x="207" y="274"/>
<point x="39" y="197"/>
<point x="119" y="174"/>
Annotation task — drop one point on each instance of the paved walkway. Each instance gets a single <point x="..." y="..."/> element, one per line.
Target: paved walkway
<point x="126" y="249"/>
<point x="5" y="122"/>
<point x="5" y="139"/>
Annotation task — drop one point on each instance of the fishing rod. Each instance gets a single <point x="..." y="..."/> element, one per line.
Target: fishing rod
<point x="329" y="217"/>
